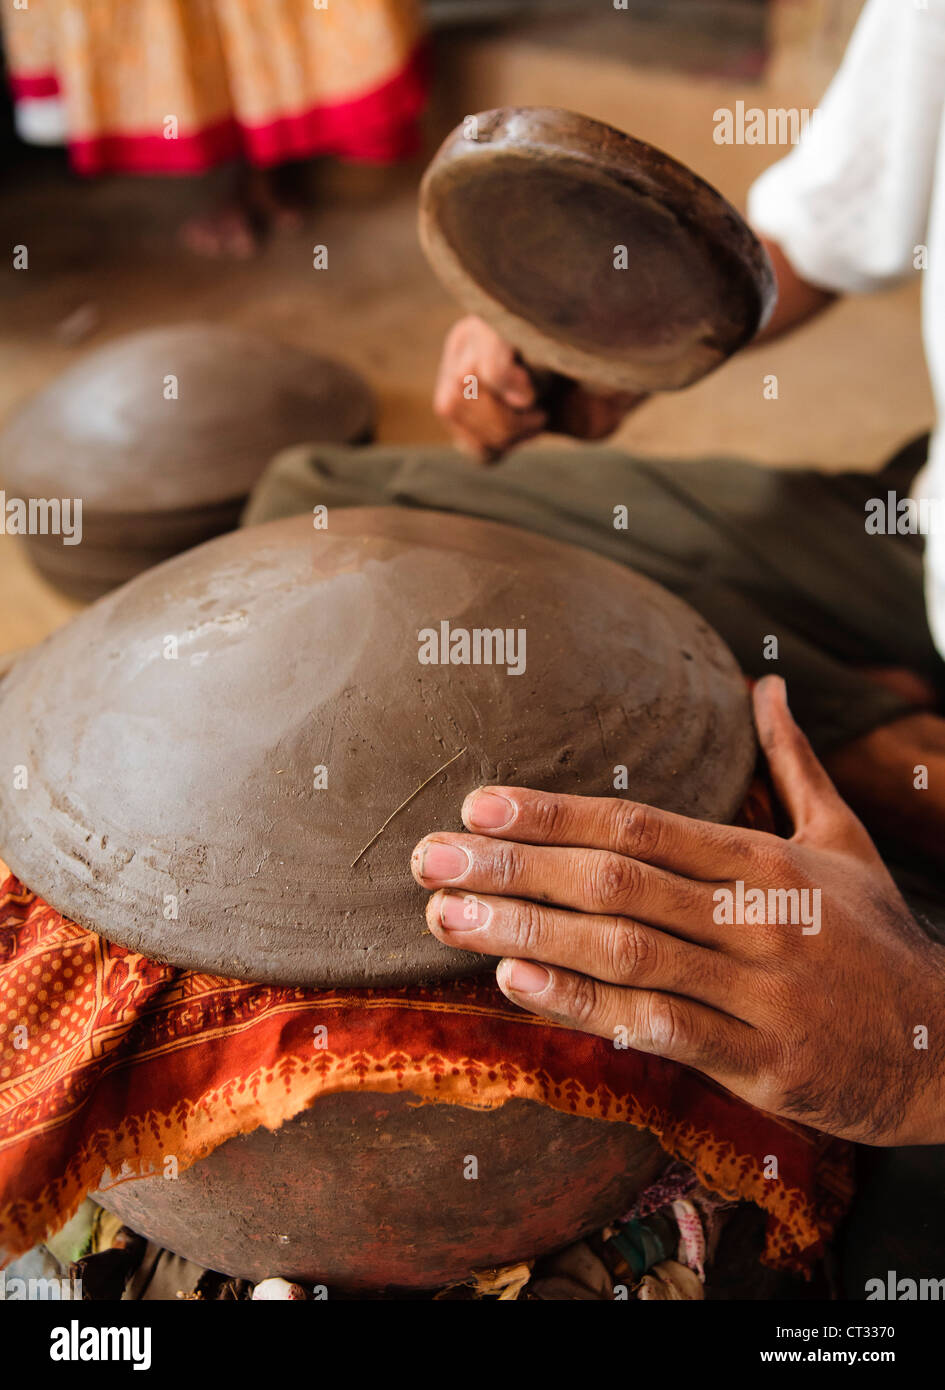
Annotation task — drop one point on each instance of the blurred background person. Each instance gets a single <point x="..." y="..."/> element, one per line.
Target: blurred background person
<point x="181" y="86"/>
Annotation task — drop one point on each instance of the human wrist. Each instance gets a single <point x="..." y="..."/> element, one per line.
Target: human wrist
<point x="924" y="1119"/>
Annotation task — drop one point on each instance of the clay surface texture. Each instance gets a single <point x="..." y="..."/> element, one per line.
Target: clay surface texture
<point x="366" y="1191"/>
<point x="162" y="434"/>
<point x="210" y="749"/>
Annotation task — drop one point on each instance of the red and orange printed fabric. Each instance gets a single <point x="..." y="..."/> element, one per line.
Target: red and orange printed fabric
<point x="110" y="1061"/>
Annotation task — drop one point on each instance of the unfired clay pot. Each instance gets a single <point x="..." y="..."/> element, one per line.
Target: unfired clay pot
<point x="162" y="434"/>
<point x="170" y="733"/>
<point x="249" y="730"/>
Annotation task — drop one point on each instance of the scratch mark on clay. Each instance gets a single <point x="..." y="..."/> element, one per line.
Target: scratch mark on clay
<point x="406" y="802"/>
<point x="600" y="728"/>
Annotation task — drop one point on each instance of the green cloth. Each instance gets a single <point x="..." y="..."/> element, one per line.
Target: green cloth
<point x="759" y="552"/>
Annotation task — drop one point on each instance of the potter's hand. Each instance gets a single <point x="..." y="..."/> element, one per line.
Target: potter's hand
<point x="621" y="920"/>
<point x="490" y="402"/>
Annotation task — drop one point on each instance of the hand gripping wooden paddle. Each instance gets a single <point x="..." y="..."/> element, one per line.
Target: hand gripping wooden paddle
<point x="594" y="254"/>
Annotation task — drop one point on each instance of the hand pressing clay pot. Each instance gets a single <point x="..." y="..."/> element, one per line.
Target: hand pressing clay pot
<point x="596" y="255"/>
<point x="162" y="435"/>
<point x="259" y="731"/>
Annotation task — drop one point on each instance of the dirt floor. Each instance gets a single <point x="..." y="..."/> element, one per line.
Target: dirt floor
<point x="104" y="260"/>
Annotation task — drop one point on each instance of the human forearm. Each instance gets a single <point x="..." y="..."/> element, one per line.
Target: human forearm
<point x="798" y="300"/>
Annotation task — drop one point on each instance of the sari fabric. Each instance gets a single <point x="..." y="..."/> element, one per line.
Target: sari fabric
<point x="176" y="86"/>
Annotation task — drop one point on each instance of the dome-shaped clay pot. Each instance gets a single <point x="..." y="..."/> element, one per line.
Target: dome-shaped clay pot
<point x="254" y="733"/>
<point x="162" y="434"/>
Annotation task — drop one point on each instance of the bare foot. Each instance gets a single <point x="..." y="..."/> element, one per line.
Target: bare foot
<point x="268" y="193"/>
<point x="236" y="227"/>
<point x="223" y="232"/>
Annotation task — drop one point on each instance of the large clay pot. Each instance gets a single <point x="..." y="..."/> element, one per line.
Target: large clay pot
<point x="372" y="1191"/>
<point x="296" y="647"/>
<point x="172" y="734"/>
<point x="162" y="434"/>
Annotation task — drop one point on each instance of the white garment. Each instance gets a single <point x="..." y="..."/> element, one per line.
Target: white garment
<point x="855" y="202"/>
<point x="41" y="120"/>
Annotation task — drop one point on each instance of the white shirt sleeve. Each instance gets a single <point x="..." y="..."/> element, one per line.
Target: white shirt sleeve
<point x="850" y="202"/>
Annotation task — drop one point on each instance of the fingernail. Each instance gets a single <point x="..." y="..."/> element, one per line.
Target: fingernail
<point x="443" y="862"/>
<point x="463" y="913"/>
<point x="488" y="811"/>
<point x="525" y="977"/>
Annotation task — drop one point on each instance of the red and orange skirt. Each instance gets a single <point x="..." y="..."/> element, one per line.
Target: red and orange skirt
<point x="177" y="86"/>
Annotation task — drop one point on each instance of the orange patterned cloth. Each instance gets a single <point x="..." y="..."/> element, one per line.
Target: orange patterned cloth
<point x="175" y="86"/>
<point x="111" y="1063"/>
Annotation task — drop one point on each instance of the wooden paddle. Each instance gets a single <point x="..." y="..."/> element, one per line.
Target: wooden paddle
<point x="598" y="257"/>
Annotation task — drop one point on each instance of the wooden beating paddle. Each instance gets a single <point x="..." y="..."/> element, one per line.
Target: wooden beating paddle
<point x="596" y="256"/>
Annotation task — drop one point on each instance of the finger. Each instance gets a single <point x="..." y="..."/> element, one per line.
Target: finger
<point x="646" y="1020"/>
<point x="698" y="849"/>
<point x="495" y="373"/>
<point x="489" y="421"/>
<point x="475" y="352"/>
<point x="494" y="423"/>
<point x="587" y="880"/>
<point x="802" y="785"/>
<point x="469" y="444"/>
<point x="614" y="949"/>
<point x="510" y="381"/>
<point x="483" y="453"/>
